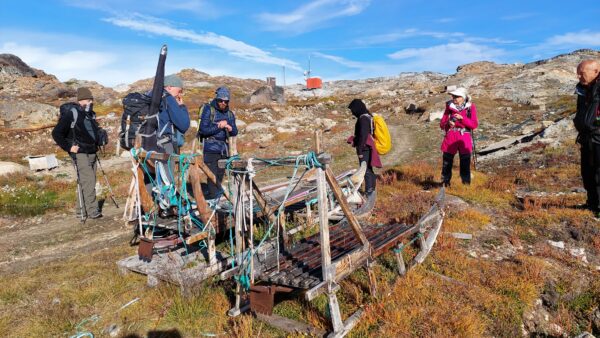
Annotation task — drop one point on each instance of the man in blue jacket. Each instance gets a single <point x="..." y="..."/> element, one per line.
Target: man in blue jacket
<point x="217" y="125"/>
<point x="173" y="118"/>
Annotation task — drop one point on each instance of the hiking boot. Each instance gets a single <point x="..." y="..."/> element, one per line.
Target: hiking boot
<point x="95" y="215"/>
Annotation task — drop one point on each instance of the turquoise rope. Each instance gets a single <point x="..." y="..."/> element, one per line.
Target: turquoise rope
<point x="402" y="246"/>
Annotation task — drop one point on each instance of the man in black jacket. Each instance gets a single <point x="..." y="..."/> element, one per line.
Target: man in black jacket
<point x="77" y="134"/>
<point x="587" y="123"/>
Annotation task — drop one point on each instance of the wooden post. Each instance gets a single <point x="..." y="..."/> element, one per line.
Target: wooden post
<point x="308" y="216"/>
<point x="334" y="308"/>
<point x="232" y="145"/>
<point x="336" y="316"/>
<point x="400" y="260"/>
<point x="201" y="205"/>
<point x="130" y="202"/>
<point x="212" y="254"/>
<point x="239" y="242"/>
<point x="145" y="198"/>
<point x="318" y="141"/>
<point x="372" y="278"/>
<point x="323" y="224"/>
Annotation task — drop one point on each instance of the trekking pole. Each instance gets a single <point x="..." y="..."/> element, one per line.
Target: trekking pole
<point x="82" y="208"/>
<point x="112" y="195"/>
<point x="474" y="150"/>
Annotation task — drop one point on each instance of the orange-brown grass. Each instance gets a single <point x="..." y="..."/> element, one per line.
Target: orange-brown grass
<point x="403" y="207"/>
<point x="468" y="220"/>
<point x="499" y="183"/>
<point x="480" y="192"/>
<point x="74" y="291"/>
<point x="421" y="306"/>
<point x="545" y="202"/>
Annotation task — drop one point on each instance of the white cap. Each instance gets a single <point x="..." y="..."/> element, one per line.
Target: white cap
<point x="460" y="91"/>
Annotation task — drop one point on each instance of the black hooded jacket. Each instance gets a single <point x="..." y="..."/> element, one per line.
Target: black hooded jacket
<point x="586" y="118"/>
<point x="362" y="128"/>
<point x="85" y="131"/>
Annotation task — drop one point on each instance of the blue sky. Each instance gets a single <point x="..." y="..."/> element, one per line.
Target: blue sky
<point x="117" y="41"/>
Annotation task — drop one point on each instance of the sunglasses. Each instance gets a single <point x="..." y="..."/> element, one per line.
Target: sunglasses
<point x="222" y="101"/>
<point x="455" y="96"/>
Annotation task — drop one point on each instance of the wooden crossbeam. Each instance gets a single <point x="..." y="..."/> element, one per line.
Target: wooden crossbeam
<point x="339" y="196"/>
<point x="196" y="238"/>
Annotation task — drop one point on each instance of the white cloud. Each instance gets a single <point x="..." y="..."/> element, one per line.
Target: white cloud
<point x="410" y="33"/>
<point x="406" y="34"/>
<point x="231" y="46"/>
<point x="69" y="63"/>
<point x="199" y="8"/>
<point x="582" y="39"/>
<point x="312" y="15"/>
<point x="445" y="58"/>
<point x="342" y="61"/>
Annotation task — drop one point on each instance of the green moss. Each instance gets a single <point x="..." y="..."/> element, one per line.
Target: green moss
<point x="290" y="309"/>
<point x="583" y="302"/>
<point x="26" y="200"/>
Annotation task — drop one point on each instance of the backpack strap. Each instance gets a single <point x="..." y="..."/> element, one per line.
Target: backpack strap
<point x="371" y="122"/>
<point x="75" y="115"/>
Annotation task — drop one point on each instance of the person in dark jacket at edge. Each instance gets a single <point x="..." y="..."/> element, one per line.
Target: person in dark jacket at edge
<point x="217" y="125"/>
<point x="363" y="141"/>
<point x="173" y="118"/>
<point x="79" y="139"/>
<point x="587" y="123"/>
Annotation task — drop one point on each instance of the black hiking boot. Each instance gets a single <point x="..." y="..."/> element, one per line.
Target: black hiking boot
<point x="95" y="215"/>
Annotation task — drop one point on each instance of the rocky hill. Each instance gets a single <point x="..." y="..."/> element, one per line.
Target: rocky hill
<point x="512" y="99"/>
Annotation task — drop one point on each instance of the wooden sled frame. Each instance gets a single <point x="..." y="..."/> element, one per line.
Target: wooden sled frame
<point x="427" y="230"/>
<point x="333" y="272"/>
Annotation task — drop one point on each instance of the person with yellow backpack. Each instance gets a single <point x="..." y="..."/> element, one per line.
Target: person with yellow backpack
<point x="371" y="138"/>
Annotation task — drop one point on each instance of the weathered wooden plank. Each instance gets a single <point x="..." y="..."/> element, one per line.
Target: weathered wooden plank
<point x="348" y="325"/>
<point x="323" y="223"/>
<point x="196" y="238"/>
<point x="201" y="205"/>
<point x="145" y="198"/>
<point x="348" y="263"/>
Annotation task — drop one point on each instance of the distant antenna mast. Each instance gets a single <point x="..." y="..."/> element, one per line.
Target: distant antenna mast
<point x="308" y="73"/>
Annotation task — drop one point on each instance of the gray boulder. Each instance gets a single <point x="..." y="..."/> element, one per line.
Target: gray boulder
<point x="13" y="65"/>
<point x="9" y="168"/>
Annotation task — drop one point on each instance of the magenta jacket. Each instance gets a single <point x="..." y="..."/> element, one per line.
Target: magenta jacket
<point x="458" y="138"/>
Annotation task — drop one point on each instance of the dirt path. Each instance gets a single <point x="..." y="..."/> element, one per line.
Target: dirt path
<point x="25" y="243"/>
<point x="401" y="146"/>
